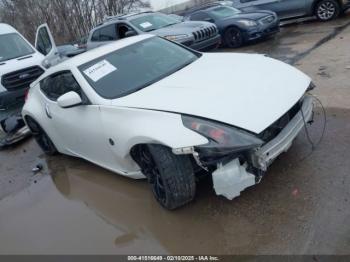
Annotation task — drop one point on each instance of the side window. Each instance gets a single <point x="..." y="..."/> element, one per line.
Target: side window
<point x="96" y="36"/>
<point x="247" y="1"/>
<point x="44" y="45"/>
<point x="59" y="84"/>
<point x="123" y="29"/>
<point x="108" y="33"/>
<point x="199" y="16"/>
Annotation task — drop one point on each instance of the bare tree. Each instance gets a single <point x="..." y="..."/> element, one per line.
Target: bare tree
<point x="68" y="20"/>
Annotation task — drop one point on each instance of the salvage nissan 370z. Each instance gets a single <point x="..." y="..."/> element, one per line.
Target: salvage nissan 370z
<point x="145" y="107"/>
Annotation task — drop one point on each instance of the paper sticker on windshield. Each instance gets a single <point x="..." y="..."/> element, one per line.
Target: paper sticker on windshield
<point x="146" y="25"/>
<point x="99" y="70"/>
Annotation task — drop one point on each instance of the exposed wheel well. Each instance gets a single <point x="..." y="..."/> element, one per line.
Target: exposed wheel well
<point x="32" y="124"/>
<point x="136" y="155"/>
<point x="231" y="26"/>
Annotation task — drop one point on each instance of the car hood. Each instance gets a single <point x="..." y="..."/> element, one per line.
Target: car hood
<point x="244" y="90"/>
<point x="187" y="27"/>
<point x="18" y="63"/>
<point x="255" y="15"/>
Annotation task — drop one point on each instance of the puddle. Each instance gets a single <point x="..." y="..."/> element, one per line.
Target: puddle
<point x="78" y="207"/>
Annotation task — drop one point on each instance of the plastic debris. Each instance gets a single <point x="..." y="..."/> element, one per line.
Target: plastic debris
<point x="37" y="168"/>
<point x="13" y="130"/>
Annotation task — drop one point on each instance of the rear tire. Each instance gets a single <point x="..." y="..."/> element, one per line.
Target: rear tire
<point x="327" y="10"/>
<point x="41" y="137"/>
<point x="171" y="176"/>
<point x="233" y="37"/>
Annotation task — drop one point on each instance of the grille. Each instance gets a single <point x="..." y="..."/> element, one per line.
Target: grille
<point x="272" y="131"/>
<point x="21" y="78"/>
<point x="267" y="20"/>
<point x="205" y="33"/>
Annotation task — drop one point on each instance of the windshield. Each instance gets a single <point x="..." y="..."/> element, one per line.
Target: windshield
<point x="13" y="46"/>
<point x="224" y="12"/>
<point x="132" y="68"/>
<point x="154" y="21"/>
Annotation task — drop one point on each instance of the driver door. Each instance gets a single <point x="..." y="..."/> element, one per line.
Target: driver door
<point x="77" y="129"/>
<point x="46" y="45"/>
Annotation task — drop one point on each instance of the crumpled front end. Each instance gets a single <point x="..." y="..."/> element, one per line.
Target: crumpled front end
<point x="235" y="168"/>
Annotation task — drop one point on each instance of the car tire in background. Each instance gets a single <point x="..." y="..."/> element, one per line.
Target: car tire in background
<point x="171" y="176"/>
<point x="41" y="137"/>
<point x="326" y="10"/>
<point x="233" y="37"/>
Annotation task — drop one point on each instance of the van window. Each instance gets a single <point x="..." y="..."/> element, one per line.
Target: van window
<point x="13" y="46"/>
<point x="43" y="44"/>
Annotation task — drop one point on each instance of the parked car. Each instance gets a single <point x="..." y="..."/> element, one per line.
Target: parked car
<point x="324" y="10"/>
<point x="236" y="27"/>
<point x="197" y="35"/>
<point x="21" y="63"/>
<point x="148" y="107"/>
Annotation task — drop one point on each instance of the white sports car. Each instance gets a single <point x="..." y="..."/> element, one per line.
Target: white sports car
<point x="145" y="107"/>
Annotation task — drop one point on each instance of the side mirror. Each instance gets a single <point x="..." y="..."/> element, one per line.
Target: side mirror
<point x="69" y="99"/>
<point x="130" y="33"/>
<point x="46" y="63"/>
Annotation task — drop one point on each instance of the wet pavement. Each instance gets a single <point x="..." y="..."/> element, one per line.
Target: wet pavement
<point x="301" y="207"/>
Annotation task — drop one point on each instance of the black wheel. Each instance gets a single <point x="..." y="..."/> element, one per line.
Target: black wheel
<point x="233" y="37"/>
<point x="170" y="176"/>
<point x="327" y="10"/>
<point x="41" y="137"/>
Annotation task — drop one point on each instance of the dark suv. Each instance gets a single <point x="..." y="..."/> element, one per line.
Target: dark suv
<point x="324" y="10"/>
<point x="197" y="35"/>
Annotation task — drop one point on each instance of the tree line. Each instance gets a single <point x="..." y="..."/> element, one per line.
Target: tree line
<point x="69" y="20"/>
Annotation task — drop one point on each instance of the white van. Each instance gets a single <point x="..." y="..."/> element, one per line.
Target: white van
<point x="21" y="63"/>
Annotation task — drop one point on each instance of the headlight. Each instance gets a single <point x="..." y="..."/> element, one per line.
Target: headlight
<point x="248" y="23"/>
<point x="224" y="137"/>
<point x="176" y="37"/>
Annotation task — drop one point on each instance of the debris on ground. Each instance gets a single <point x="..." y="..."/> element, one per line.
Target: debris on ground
<point x="12" y="130"/>
<point x="37" y="168"/>
<point x="12" y="127"/>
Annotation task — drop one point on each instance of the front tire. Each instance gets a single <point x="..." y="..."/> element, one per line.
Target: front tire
<point x="171" y="176"/>
<point x="327" y="10"/>
<point x="41" y="137"/>
<point x="233" y="37"/>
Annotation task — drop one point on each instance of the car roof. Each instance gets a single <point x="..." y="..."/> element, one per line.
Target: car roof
<point x="207" y="6"/>
<point x="6" y="29"/>
<point x="125" y="17"/>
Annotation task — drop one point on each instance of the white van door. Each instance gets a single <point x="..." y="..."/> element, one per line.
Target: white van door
<point x="45" y="44"/>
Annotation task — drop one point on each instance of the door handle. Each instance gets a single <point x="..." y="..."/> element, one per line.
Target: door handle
<point x="47" y="111"/>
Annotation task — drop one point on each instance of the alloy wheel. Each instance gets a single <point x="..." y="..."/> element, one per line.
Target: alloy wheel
<point x="326" y="10"/>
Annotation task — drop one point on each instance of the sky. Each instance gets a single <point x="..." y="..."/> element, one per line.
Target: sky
<point x="159" y="4"/>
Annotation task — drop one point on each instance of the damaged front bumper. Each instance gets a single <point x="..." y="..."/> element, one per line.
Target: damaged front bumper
<point x="232" y="178"/>
<point x="264" y="156"/>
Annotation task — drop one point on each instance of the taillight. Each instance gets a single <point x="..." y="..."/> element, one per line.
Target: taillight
<point x="26" y="94"/>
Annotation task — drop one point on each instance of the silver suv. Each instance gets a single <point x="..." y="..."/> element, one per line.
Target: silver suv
<point x="197" y="35"/>
<point x="324" y="10"/>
